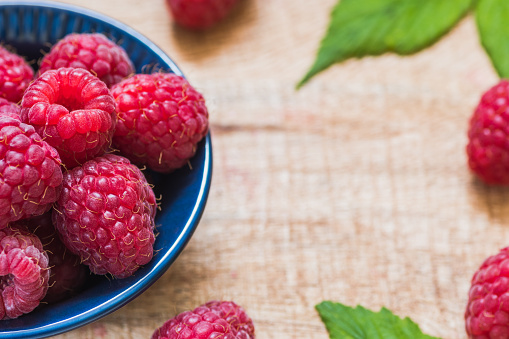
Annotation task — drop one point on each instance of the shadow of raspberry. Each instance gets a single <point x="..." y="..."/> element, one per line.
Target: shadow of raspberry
<point x="491" y="200"/>
<point x="197" y="45"/>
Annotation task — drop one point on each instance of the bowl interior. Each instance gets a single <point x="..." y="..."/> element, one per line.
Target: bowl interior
<point x="31" y="28"/>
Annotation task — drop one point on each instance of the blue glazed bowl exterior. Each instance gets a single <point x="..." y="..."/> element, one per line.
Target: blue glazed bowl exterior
<point x="31" y="28"/>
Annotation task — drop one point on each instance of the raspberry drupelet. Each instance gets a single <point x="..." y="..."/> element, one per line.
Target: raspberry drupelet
<point x="73" y="111"/>
<point x="106" y="215"/>
<point x="161" y="118"/>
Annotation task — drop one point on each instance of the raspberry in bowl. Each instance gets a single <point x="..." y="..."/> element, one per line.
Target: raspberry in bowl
<point x="30" y="29"/>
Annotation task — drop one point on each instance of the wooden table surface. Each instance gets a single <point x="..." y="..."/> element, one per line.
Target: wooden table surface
<point x="353" y="189"/>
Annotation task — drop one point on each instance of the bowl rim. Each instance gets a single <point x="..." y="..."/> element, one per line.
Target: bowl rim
<point x="98" y="16"/>
<point x="165" y="261"/>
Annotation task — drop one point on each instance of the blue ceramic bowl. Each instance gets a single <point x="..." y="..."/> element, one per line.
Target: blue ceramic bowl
<point x="30" y="27"/>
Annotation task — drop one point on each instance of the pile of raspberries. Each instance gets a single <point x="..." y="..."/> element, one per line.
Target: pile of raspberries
<point x="73" y="137"/>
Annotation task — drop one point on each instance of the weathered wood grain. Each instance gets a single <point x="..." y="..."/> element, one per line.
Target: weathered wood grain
<point x="353" y="189"/>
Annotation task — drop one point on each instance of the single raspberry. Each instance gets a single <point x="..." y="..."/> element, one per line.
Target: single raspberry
<point x="106" y="215"/>
<point x="161" y="118"/>
<point x="30" y="172"/>
<point x="15" y="75"/>
<point x="73" y="111"/>
<point x="215" y="319"/>
<point x="9" y="108"/>
<point x="24" y="272"/>
<point x="487" y="313"/>
<point x="200" y="14"/>
<point x="67" y="276"/>
<point x="93" y="52"/>
<point x="488" y="134"/>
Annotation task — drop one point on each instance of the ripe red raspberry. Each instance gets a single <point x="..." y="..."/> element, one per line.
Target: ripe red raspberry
<point x="93" y="52"/>
<point x="106" y="215"/>
<point x="67" y="275"/>
<point x="24" y="272"/>
<point x="200" y="14"/>
<point x="161" y="118"/>
<point x="488" y="134"/>
<point x="73" y="111"/>
<point x="9" y="108"/>
<point x="215" y="319"/>
<point x="15" y="75"/>
<point x="30" y="172"/>
<point x="487" y="313"/>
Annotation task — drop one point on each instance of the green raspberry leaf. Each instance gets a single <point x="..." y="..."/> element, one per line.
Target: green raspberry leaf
<point x="492" y="17"/>
<point x="344" y="322"/>
<point x="360" y="28"/>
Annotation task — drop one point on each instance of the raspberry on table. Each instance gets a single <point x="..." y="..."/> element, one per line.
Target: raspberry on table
<point x="93" y="52"/>
<point x="73" y="111"/>
<point x="200" y="14"/>
<point x="105" y="215"/>
<point x="488" y="136"/>
<point x="24" y="272"/>
<point x="487" y="312"/>
<point x="161" y="118"/>
<point x="215" y="319"/>
<point x="67" y="275"/>
<point x="30" y="172"/>
<point x="15" y="75"/>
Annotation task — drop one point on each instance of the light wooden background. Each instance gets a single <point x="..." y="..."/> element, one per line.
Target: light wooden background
<point x="353" y="189"/>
